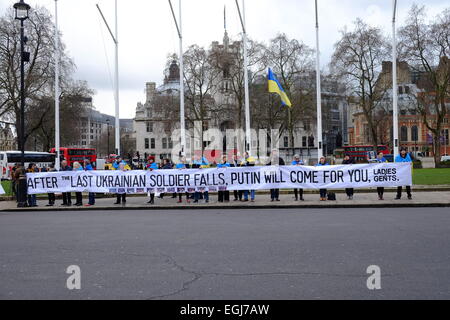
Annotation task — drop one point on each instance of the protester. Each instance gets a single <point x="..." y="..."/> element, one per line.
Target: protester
<point x="121" y="197"/>
<point x="118" y="162"/>
<point x="234" y="164"/>
<point x="181" y="166"/>
<point x="403" y="157"/>
<point x="167" y="165"/>
<point x="51" y="196"/>
<point x="380" y="159"/>
<point x="88" y="167"/>
<point x="275" y="160"/>
<point x="32" y="202"/>
<point x="151" y="166"/>
<point x="349" y="191"/>
<point x="20" y="174"/>
<point x="249" y="162"/>
<point x="224" y="196"/>
<point x="323" y="192"/>
<point x="297" y="192"/>
<point x="199" y="163"/>
<point x="79" y="196"/>
<point x="67" y="196"/>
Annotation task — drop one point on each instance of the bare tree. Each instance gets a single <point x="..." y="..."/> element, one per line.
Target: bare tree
<point x="427" y="48"/>
<point x="357" y="59"/>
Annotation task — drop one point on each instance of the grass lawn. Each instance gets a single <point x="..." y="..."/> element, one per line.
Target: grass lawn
<point x="7" y="187"/>
<point x="431" y="176"/>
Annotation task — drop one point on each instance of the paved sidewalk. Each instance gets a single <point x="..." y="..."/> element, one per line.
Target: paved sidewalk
<point x="365" y="200"/>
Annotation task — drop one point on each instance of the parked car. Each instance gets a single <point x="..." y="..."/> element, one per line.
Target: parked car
<point x="445" y="158"/>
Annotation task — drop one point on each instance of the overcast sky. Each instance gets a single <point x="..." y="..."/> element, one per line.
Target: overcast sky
<point x="147" y="33"/>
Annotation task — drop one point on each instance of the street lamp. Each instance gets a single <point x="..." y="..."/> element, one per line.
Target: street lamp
<point x="21" y="10"/>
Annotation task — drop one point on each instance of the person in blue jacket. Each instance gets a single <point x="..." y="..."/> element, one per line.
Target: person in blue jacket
<point x="88" y="167"/>
<point x="180" y="166"/>
<point x="224" y="196"/>
<point x="380" y="159"/>
<point x="403" y="157"/>
<point x="323" y="192"/>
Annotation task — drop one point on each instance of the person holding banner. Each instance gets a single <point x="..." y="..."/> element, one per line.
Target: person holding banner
<point x="298" y="162"/>
<point x="121" y="197"/>
<point x="32" y="197"/>
<point x="235" y="164"/>
<point x="151" y="166"/>
<point x="67" y="196"/>
<point x="380" y="159"/>
<point x="275" y="160"/>
<point x="348" y="191"/>
<point x="200" y="164"/>
<point x="224" y="196"/>
<point x="249" y="162"/>
<point x="51" y="196"/>
<point x="78" y="195"/>
<point x="403" y="157"/>
<point x="323" y="192"/>
<point x="88" y="167"/>
<point x="181" y="166"/>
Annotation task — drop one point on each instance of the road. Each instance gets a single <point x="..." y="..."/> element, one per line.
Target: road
<point x="226" y="254"/>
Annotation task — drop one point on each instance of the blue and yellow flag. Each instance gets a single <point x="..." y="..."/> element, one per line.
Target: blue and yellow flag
<point x="275" y="87"/>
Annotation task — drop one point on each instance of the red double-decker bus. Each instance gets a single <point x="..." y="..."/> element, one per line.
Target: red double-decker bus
<point x="77" y="155"/>
<point x="360" y="153"/>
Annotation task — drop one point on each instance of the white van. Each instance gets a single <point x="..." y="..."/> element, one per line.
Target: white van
<point x="9" y="158"/>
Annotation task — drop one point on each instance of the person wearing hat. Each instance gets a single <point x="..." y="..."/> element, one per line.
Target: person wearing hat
<point x="403" y="157"/>
<point x="298" y="162"/>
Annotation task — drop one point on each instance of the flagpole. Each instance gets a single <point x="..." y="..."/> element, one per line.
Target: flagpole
<point x="178" y="25"/>
<point x="57" y="91"/>
<point x="394" y="81"/>
<point x="318" y="88"/>
<point x="117" y="82"/>
<point x="246" y="90"/>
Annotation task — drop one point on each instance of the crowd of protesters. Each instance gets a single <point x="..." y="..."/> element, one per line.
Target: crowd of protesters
<point x="197" y="163"/>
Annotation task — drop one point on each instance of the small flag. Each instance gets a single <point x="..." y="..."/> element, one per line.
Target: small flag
<point x="275" y="87"/>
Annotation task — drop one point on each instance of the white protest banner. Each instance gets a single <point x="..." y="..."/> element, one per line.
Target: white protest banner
<point x="220" y="179"/>
<point x="2" y="191"/>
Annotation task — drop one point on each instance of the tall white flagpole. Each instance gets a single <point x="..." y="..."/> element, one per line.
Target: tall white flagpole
<point x="57" y="91"/>
<point x="116" y="83"/>
<point x="318" y="88"/>
<point x="178" y="25"/>
<point x="182" y="112"/>
<point x="248" y="134"/>
<point x="394" y="81"/>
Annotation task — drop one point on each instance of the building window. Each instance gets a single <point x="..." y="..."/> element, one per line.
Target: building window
<point x="304" y="142"/>
<point x="149" y="126"/>
<point x="152" y="143"/>
<point x="147" y="143"/>
<point x="164" y="143"/>
<point x="414" y="133"/>
<point x="400" y="90"/>
<point x="286" y="142"/>
<point x="445" y="137"/>
<point x="170" y="143"/>
<point x="403" y="133"/>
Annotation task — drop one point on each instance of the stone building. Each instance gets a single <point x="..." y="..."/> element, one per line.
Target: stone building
<point x="7" y="138"/>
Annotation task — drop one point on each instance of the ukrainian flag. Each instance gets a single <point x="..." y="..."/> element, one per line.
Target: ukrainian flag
<point x="275" y="87"/>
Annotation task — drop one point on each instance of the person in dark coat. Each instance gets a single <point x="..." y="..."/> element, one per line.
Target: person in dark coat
<point x="298" y="162"/>
<point x="275" y="160"/>
<point x="51" y="196"/>
<point x="349" y="191"/>
<point x="380" y="159"/>
<point x="323" y="192"/>
<point x="67" y="196"/>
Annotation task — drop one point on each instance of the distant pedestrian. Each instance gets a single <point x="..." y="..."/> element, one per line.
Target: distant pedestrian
<point x="403" y="157"/>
